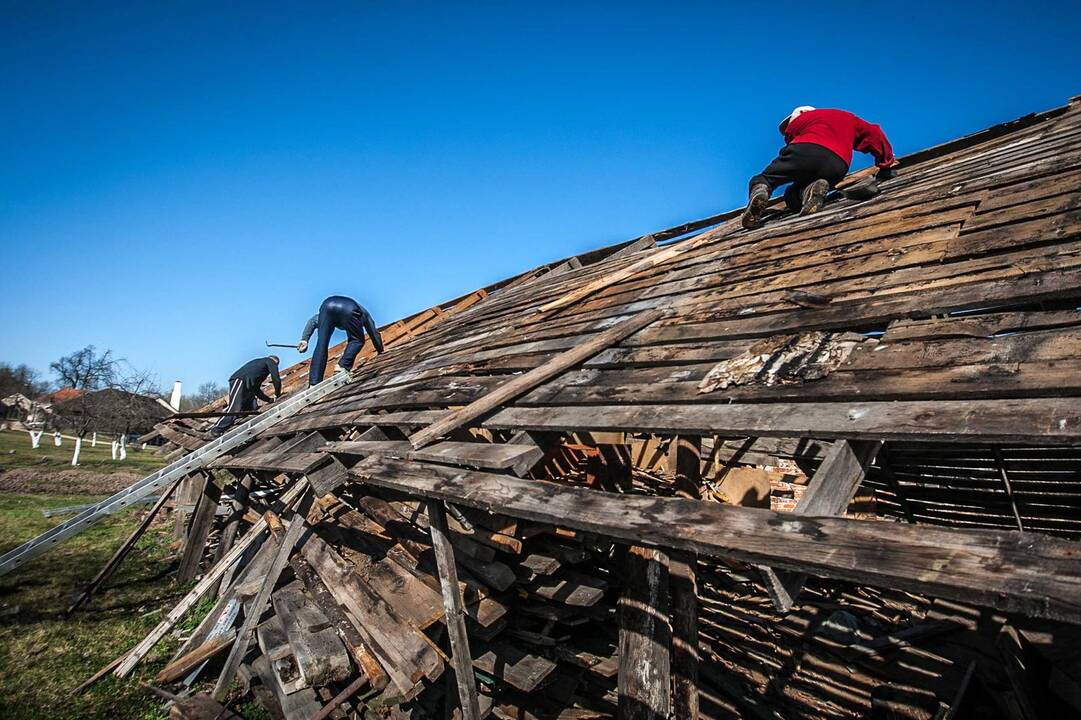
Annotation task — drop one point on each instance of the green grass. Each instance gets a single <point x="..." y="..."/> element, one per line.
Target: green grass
<point x="43" y="656"/>
<point x="15" y="452"/>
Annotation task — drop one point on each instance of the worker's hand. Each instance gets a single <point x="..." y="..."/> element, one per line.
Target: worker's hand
<point x="885" y="173"/>
<point x="302" y="346"/>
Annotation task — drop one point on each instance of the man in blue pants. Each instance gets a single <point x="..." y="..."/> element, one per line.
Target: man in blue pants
<point x="338" y="311"/>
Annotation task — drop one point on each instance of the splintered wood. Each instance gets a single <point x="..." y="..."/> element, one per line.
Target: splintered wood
<point x="828" y="468"/>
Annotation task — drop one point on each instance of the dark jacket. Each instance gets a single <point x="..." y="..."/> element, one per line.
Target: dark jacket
<point x="254" y="372"/>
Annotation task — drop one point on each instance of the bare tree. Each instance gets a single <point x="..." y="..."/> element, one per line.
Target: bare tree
<point x="21" y="379"/>
<point x="124" y="399"/>
<point x="85" y="369"/>
<point x="207" y="393"/>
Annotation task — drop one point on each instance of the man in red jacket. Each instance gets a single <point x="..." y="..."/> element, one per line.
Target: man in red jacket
<point x="816" y="156"/>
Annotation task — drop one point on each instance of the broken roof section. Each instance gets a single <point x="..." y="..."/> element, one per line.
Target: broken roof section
<point x="917" y="351"/>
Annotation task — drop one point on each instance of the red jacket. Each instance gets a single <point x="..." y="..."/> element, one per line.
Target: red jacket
<point x="842" y="132"/>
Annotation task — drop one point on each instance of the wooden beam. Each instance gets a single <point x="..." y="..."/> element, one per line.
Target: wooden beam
<point x="201" y="522"/>
<point x="1032" y="574"/>
<point x="241" y="492"/>
<point x="683" y="592"/>
<point x="829" y="492"/>
<point x="644" y="637"/>
<point x="256" y="607"/>
<point x="181" y="666"/>
<point x="461" y="657"/>
<point x="1039" y="420"/>
<point x="524" y="383"/>
<point x="122" y="552"/>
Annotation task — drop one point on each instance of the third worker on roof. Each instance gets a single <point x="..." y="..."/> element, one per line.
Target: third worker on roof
<point x="817" y="152"/>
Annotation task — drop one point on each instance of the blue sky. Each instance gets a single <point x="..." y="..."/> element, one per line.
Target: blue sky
<point x="181" y="181"/>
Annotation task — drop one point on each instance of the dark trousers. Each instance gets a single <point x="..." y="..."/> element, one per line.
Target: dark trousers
<point x="240" y="398"/>
<point x="801" y="164"/>
<point x="336" y="312"/>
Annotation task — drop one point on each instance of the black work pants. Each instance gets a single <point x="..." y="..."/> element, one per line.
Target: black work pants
<point x="336" y="312"/>
<point x="240" y="398"/>
<point x="801" y="164"/>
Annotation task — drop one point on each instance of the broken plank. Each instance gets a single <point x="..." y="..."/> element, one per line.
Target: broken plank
<point x="181" y="666"/>
<point x="461" y="656"/>
<point x="514" y="388"/>
<point x="829" y="492"/>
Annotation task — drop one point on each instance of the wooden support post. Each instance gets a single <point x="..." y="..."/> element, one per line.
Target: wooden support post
<point x="122" y="552"/>
<point x="201" y="522"/>
<point x="184" y="496"/>
<point x="683" y="589"/>
<point x="645" y="638"/>
<point x="255" y="609"/>
<point x="462" y="659"/>
<point x="685" y="464"/>
<point x="829" y="492"/>
<point x="524" y="383"/>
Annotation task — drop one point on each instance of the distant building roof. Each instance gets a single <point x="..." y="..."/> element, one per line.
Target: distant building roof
<point x="61" y="395"/>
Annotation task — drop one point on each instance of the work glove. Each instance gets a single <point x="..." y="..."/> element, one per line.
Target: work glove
<point x="302" y="346"/>
<point x="885" y="173"/>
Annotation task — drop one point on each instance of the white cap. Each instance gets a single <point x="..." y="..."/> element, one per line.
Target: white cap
<point x="793" y="115"/>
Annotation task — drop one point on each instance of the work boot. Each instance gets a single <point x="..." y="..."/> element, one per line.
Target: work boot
<point x="814" y="197"/>
<point x="756" y="203"/>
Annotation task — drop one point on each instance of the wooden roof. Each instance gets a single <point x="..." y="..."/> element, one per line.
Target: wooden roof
<point x="922" y="346"/>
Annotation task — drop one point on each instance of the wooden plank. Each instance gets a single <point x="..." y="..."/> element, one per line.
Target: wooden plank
<point x="301" y="462"/>
<point x="512" y="389"/>
<point x="488" y="456"/>
<point x="520" y="669"/>
<point x="644" y="637"/>
<point x="1030" y="574"/>
<point x="201" y="522"/>
<point x="320" y="655"/>
<point x="369" y="666"/>
<point x="829" y="492"/>
<point x="183" y="665"/>
<point x="683" y="592"/>
<point x="461" y="657"/>
<point x="406" y="657"/>
<point x="256" y="607"/>
<point x="1030" y="420"/>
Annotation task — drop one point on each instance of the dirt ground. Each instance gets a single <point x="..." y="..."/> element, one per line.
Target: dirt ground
<point x="63" y="482"/>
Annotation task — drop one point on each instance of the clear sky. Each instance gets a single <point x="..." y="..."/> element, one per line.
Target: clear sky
<point x="180" y="181"/>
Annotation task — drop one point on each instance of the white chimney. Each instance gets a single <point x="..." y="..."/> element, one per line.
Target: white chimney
<point x="174" y="399"/>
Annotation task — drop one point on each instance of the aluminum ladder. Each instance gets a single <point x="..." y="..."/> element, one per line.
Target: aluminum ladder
<point x="170" y="473"/>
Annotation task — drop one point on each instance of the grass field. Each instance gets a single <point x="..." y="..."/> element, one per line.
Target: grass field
<point x="15" y="452"/>
<point x="43" y="655"/>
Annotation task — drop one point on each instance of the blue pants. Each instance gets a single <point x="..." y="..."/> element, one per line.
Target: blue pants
<point x="337" y="312"/>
